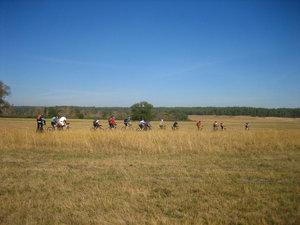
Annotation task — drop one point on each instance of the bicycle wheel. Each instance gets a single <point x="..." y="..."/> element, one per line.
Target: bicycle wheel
<point x="49" y="129"/>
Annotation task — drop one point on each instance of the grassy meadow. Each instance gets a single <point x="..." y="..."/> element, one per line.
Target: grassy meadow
<point x="185" y="176"/>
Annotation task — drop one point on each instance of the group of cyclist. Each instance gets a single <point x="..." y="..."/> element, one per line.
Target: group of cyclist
<point x="61" y="123"/>
<point x="56" y="123"/>
<point x="163" y="126"/>
<point x="112" y="123"/>
<point x="216" y="125"/>
<point x="145" y="125"/>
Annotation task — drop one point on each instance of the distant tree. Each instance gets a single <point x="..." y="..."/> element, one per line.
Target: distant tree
<point x="80" y="115"/>
<point x="105" y="115"/>
<point x="87" y="112"/>
<point x="45" y="110"/>
<point x="4" y="91"/>
<point x="53" y="111"/>
<point x="142" y="111"/>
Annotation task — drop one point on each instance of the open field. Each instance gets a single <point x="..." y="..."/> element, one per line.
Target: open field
<point x="157" y="177"/>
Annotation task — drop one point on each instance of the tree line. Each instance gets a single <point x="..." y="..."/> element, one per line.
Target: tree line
<point x="241" y="111"/>
<point x="143" y="111"/>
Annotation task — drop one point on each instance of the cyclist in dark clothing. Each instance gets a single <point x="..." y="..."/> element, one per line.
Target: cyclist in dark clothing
<point x="175" y="125"/>
<point x="247" y="126"/>
<point x="96" y="124"/>
<point x="40" y="122"/>
<point x="127" y="122"/>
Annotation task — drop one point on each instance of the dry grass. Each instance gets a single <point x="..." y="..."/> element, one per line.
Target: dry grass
<point x="157" y="177"/>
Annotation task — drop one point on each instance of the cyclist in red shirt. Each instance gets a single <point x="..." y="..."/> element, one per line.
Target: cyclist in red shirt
<point x="199" y="125"/>
<point x="215" y="125"/>
<point x="112" y="123"/>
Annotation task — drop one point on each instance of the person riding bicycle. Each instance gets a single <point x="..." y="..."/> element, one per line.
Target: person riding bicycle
<point x="62" y="122"/>
<point x="247" y="126"/>
<point x="147" y="125"/>
<point x="142" y="124"/>
<point x="40" y="121"/>
<point x="112" y="123"/>
<point x="96" y="124"/>
<point x="215" y="125"/>
<point x="175" y="125"/>
<point x="222" y="125"/>
<point x="54" y="122"/>
<point x="161" y="124"/>
<point x="127" y="122"/>
<point x="199" y="125"/>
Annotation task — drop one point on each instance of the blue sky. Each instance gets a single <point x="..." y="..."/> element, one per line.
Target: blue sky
<point x="169" y="53"/>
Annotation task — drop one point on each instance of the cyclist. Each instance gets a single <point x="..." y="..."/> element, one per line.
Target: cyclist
<point x="199" y="125"/>
<point x="142" y="124"/>
<point x="247" y="126"/>
<point x="62" y="122"/>
<point x="54" y="122"/>
<point x="215" y="125"/>
<point x="222" y="125"/>
<point x="127" y="122"/>
<point x="161" y="124"/>
<point x="96" y="124"/>
<point x="175" y="125"/>
<point x="147" y="125"/>
<point x="40" y="122"/>
<point x="112" y="123"/>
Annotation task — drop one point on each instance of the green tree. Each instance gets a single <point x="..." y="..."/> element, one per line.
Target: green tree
<point x="142" y="111"/>
<point x="4" y="91"/>
<point x="80" y="115"/>
<point x="53" y="111"/>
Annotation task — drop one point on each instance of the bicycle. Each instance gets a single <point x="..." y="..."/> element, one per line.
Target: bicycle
<point x="199" y="127"/>
<point x="143" y="128"/>
<point x="60" y="128"/>
<point x="140" y="128"/>
<point x="128" y="127"/>
<point x="112" y="127"/>
<point x="175" y="128"/>
<point x="148" y="128"/>
<point x="163" y="127"/>
<point x="223" y="128"/>
<point x="94" y="128"/>
<point x="50" y="129"/>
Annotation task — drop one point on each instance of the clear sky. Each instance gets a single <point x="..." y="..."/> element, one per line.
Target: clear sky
<point x="169" y="53"/>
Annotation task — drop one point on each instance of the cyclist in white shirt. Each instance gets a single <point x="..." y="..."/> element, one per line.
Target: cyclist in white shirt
<point x="62" y="121"/>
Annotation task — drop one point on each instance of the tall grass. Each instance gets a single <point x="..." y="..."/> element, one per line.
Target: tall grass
<point x="170" y="142"/>
<point x="157" y="177"/>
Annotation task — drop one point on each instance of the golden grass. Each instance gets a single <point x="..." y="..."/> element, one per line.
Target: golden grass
<point x="157" y="177"/>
